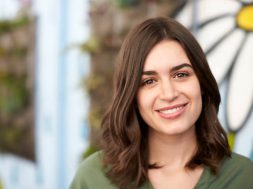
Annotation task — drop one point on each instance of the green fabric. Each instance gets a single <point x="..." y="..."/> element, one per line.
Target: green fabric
<point x="234" y="173"/>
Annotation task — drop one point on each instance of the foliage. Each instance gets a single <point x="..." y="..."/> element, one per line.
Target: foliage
<point x="17" y="52"/>
<point x="13" y="93"/>
<point x="126" y="3"/>
<point x="10" y="25"/>
<point x="91" y="46"/>
<point x="9" y="138"/>
<point x="16" y="85"/>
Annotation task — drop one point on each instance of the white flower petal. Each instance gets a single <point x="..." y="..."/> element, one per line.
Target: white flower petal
<point x="211" y="8"/>
<point x="207" y="9"/>
<point x="185" y="15"/>
<point x="221" y="58"/>
<point x="240" y="91"/>
<point x="212" y="32"/>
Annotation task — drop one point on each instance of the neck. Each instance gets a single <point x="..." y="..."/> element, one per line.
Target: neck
<point x="172" y="150"/>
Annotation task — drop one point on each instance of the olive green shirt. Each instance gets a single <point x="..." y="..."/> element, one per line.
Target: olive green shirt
<point x="235" y="173"/>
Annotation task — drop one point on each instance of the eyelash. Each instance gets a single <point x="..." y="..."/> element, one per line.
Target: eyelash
<point x="181" y="75"/>
<point x="147" y="81"/>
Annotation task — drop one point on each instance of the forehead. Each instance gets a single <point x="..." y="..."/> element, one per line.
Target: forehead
<point x="167" y="53"/>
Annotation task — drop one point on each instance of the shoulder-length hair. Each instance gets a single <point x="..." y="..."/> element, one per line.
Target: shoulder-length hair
<point x="124" y="133"/>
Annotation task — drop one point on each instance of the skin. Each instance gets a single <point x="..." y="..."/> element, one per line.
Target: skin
<point x="169" y="101"/>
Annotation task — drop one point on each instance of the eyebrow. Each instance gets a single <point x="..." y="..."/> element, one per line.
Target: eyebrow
<point x="175" y="68"/>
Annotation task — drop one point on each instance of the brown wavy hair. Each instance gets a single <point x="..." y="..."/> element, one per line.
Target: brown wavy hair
<point x="124" y="133"/>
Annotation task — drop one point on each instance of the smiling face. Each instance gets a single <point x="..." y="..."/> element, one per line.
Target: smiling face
<point x="169" y="97"/>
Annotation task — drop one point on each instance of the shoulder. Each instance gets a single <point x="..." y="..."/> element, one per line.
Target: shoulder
<point x="91" y="174"/>
<point x="236" y="172"/>
<point x="91" y="163"/>
<point x="238" y="163"/>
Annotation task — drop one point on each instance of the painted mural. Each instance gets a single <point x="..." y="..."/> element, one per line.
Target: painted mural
<point x="224" y="29"/>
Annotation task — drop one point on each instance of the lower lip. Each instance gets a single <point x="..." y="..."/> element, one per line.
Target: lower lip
<point x="173" y="115"/>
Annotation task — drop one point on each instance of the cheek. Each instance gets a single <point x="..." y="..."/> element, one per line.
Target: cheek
<point x="197" y="96"/>
<point x="141" y="98"/>
<point x="194" y="92"/>
<point x="145" y="100"/>
<point x="194" y="88"/>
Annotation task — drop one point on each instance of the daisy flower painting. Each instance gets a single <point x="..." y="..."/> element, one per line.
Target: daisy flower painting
<point x="224" y="29"/>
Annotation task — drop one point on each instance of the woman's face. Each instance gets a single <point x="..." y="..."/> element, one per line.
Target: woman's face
<point x="169" y="96"/>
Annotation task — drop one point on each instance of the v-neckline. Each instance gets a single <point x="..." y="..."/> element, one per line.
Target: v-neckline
<point x="202" y="179"/>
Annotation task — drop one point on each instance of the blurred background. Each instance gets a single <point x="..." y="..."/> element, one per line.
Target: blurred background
<point x="56" y="67"/>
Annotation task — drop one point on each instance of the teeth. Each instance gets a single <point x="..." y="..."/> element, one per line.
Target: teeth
<point x="171" y="111"/>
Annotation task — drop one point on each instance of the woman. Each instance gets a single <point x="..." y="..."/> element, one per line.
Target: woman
<point x="162" y="129"/>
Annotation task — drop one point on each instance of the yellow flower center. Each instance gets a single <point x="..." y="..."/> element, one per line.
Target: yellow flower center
<point x="244" y="18"/>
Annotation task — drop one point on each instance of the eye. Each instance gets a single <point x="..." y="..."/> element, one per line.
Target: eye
<point x="148" y="82"/>
<point x="181" y="75"/>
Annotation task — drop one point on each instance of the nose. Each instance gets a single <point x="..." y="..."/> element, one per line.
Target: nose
<point x="168" y="91"/>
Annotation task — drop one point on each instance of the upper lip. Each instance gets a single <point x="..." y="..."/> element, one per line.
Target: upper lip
<point x="171" y="107"/>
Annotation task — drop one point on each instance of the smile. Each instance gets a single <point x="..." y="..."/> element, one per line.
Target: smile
<point x="172" y="112"/>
